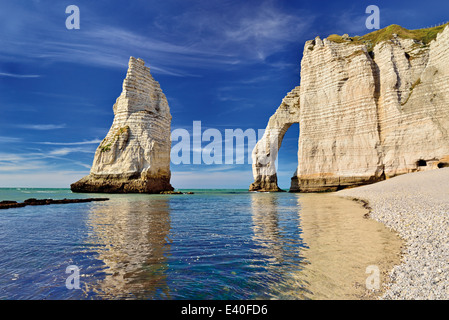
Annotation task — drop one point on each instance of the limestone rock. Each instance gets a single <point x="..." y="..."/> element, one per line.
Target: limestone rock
<point x="366" y="113"/>
<point x="265" y="152"/>
<point x="135" y="154"/>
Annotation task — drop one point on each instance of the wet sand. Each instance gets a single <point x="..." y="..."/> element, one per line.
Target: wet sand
<point x="342" y="245"/>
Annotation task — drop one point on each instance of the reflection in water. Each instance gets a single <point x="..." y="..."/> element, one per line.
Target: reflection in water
<point x="320" y="246"/>
<point x="131" y="238"/>
<point x="223" y="246"/>
<point x="266" y="227"/>
<point x="341" y="245"/>
<point x="277" y="234"/>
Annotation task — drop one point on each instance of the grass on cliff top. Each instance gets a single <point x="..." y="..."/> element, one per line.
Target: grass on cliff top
<point x="425" y="36"/>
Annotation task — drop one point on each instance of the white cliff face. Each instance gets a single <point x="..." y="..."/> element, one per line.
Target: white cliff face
<point x="366" y="116"/>
<point x="135" y="154"/>
<point x="338" y="118"/>
<point x="414" y="117"/>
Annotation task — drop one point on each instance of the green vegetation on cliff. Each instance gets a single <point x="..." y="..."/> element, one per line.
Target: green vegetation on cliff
<point x="107" y="147"/>
<point x="425" y="36"/>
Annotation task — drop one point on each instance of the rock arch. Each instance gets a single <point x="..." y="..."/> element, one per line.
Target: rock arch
<point x="265" y="153"/>
<point x="366" y="113"/>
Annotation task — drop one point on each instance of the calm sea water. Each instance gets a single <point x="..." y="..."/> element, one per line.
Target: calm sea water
<point x="214" y="244"/>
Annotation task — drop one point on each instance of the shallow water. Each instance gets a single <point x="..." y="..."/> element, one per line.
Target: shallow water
<point x="214" y="244"/>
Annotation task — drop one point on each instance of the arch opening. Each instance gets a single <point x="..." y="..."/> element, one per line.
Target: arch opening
<point x="287" y="157"/>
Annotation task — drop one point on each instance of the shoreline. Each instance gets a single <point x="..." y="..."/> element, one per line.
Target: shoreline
<point x="342" y="246"/>
<point x="416" y="207"/>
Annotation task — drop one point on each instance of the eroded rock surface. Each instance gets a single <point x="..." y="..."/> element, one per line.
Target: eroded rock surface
<point x="134" y="156"/>
<point x="366" y="113"/>
<point x="265" y="152"/>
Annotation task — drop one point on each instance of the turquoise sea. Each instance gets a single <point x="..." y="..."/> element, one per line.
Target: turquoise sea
<point x="213" y="244"/>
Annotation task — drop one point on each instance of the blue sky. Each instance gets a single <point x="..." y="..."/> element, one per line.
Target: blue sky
<point x="225" y="63"/>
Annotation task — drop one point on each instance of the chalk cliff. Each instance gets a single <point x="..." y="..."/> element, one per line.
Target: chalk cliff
<point x="135" y="154"/>
<point x="368" y="108"/>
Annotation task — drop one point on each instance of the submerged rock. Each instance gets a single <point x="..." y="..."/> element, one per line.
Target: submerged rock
<point x="135" y="155"/>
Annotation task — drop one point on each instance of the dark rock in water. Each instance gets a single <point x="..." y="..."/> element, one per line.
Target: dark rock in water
<point x="36" y="202"/>
<point x="41" y="202"/>
<point x="171" y="192"/>
<point x="11" y="204"/>
<point x="175" y="192"/>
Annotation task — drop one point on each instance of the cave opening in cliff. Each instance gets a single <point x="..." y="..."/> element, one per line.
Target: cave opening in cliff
<point x="443" y="165"/>
<point x="421" y="163"/>
<point x="287" y="158"/>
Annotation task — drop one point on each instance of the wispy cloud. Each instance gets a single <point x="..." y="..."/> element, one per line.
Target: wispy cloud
<point x="21" y="166"/>
<point x="202" y="36"/>
<point x="14" y="75"/>
<point x="42" y="126"/>
<point x="42" y="159"/>
<point x="9" y="139"/>
<point x="95" y="141"/>
<point x="66" y="151"/>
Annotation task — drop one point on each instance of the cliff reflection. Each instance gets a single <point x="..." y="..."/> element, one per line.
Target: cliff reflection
<point x="278" y="240"/>
<point x="341" y="245"/>
<point x="129" y="236"/>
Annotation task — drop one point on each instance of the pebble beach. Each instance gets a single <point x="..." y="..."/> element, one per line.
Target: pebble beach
<point x="416" y="206"/>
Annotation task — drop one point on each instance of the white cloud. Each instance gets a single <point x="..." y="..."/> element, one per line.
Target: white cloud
<point x="95" y="141"/>
<point x="42" y="126"/>
<point x="20" y="166"/>
<point x="202" y="36"/>
<point x="41" y="160"/>
<point x="9" y="139"/>
<point x="14" y="75"/>
<point x="66" y="151"/>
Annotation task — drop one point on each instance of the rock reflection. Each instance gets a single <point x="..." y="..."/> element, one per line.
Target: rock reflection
<point x="341" y="245"/>
<point x="130" y="238"/>
<point x="277" y="236"/>
<point x="266" y="226"/>
<point x="321" y="249"/>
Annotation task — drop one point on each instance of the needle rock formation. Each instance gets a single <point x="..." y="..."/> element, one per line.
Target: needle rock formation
<point x="369" y="108"/>
<point x="135" y="155"/>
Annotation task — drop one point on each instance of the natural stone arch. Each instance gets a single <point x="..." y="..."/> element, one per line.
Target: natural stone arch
<point x="367" y="113"/>
<point x="265" y="153"/>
